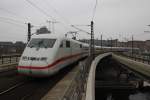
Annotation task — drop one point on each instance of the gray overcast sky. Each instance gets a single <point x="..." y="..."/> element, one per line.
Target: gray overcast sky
<point x="113" y="18"/>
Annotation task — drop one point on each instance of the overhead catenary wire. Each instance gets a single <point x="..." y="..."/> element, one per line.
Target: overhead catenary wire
<point x="12" y="13"/>
<point x="7" y="11"/>
<point x="66" y="21"/>
<point x="94" y="10"/>
<point x="39" y="9"/>
<point x="12" y="23"/>
<point x="58" y="13"/>
<point x="93" y="15"/>
<point x="14" y="20"/>
<point x="80" y="29"/>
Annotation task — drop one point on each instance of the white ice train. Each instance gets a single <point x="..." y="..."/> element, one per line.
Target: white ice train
<point x="46" y="54"/>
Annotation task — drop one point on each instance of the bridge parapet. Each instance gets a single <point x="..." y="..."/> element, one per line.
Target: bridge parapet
<point x="90" y="91"/>
<point x="8" y="59"/>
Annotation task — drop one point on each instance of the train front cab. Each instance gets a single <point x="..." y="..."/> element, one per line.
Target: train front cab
<point x="37" y="56"/>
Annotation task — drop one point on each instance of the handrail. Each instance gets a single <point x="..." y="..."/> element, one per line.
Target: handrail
<point x="6" y="59"/>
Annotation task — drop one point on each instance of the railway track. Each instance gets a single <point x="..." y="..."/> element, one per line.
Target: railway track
<point x="26" y="88"/>
<point x="8" y="72"/>
<point x="11" y="88"/>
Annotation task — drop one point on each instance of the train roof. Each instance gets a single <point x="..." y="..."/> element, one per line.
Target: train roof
<point x="48" y="35"/>
<point x="57" y="36"/>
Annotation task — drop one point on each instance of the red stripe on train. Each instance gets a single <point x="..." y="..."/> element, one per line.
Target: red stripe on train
<point x="51" y="65"/>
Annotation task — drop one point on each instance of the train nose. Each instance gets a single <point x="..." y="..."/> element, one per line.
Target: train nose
<point x="33" y="72"/>
<point x="33" y="66"/>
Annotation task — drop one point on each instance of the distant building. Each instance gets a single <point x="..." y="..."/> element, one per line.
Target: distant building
<point x="6" y="47"/>
<point x="121" y="44"/>
<point x="10" y="48"/>
<point x="147" y="43"/>
<point x="137" y="44"/>
<point x="19" y="46"/>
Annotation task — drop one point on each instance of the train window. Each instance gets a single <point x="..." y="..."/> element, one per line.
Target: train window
<point x="41" y="43"/>
<point x="67" y="44"/>
<point x="80" y="45"/>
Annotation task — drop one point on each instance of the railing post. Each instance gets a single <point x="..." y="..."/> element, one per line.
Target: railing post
<point x="2" y="59"/>
<point x="16" y="58"/>
<point x="149" y="59"/>
<point x="9" y="59"/>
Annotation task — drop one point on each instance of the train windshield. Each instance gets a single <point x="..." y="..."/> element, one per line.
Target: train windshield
<point x="41" y="43"/>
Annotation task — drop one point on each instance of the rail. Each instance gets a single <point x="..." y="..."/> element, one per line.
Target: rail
<point x="8" y="59"/>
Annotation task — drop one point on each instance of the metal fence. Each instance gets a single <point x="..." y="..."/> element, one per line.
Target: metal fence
<point x="9" y="59"/>
<point x="77" y="89"/>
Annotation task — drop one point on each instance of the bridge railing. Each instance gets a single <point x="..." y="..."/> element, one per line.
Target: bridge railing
<point x="77" y="88"/>
<point x="8" y="59"/>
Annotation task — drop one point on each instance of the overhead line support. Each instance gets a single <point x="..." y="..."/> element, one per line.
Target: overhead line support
<point x="29" y="32"/>
<point x="92" y="41"/>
